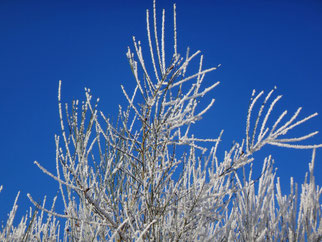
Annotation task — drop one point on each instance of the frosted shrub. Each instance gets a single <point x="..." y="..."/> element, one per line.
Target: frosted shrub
<point x="131" y="181"/>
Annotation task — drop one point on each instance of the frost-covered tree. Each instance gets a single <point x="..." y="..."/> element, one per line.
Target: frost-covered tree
<point x="146" y="177"/>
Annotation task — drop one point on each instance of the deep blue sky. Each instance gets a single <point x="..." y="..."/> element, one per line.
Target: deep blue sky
<point x="259" y="43"/>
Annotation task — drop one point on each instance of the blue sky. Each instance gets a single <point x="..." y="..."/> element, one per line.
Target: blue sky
<point x="260" y="44"/>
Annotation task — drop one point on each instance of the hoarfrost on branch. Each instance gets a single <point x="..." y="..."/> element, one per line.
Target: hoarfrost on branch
<point x="129" y="181"/>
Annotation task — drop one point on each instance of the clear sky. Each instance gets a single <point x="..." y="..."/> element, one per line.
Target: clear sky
<point x="259" y="43"/>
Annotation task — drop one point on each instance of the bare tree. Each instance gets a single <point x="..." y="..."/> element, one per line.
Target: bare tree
<point x="147" y="178"/>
